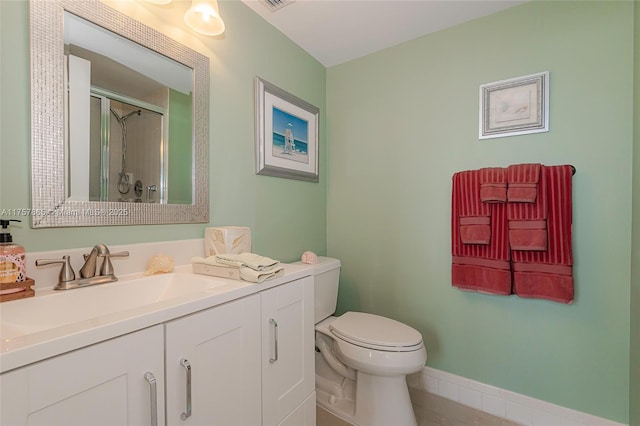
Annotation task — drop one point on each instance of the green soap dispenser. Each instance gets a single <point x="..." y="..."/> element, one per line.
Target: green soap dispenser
<point x="12" y="263"/>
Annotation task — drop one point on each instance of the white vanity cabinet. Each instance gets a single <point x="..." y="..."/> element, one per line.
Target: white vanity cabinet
<point x="288" y="363"/>
<point x="116" y="382"/>
<point x="246" y="362"/>
<point x="213" y="366"/>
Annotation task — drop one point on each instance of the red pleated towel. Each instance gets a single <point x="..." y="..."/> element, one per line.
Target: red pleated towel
<point x="493" y="185"/>
<point x="523" y="183"/>
<point x="475" y="230"/>
<point x="548" y="274"/>
<point x="528" y="221"/>
<point x="482" y="267"/>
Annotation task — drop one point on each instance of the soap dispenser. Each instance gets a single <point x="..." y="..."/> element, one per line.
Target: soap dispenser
<point x="12" y="263"/>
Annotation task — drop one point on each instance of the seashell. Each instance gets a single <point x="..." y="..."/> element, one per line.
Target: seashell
<point x="309" y="257"/>
<point x="159" y="263"/>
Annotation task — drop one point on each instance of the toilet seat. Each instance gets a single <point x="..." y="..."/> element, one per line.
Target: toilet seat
<point x="376" y="332"/>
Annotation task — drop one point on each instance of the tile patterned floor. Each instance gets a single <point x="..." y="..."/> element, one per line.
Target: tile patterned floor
<point x="431" y="410"/>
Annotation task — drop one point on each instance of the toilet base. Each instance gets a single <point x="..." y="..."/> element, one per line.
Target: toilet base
<point x="343" y="408"/>
<point x="383" y="400"/>
<point x="334" y="393"/>
<point x="369" y="401"/>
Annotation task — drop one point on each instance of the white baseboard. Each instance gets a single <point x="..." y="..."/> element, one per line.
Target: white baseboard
<point x="509" y="405"/>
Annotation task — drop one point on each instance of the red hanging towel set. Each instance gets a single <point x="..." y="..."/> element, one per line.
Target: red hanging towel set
<point x="511" y="231"/>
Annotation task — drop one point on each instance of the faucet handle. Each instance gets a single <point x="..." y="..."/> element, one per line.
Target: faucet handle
<point x="107" y="267"/>
<point x="66" y="271"/>
<point x="119" y="254"/>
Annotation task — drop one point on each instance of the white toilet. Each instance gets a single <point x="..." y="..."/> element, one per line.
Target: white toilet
<point x="362" y="359"/>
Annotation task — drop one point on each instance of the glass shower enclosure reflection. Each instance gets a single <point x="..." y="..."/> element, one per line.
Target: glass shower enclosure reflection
<point x="127" y="151"/>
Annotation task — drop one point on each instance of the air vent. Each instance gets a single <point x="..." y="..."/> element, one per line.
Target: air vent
<point x="274" y="5"/>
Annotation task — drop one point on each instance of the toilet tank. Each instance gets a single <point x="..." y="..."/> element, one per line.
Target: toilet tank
<point x="326" y="277"/>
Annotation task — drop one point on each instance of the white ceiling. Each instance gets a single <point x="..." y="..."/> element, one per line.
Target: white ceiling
<point x="337" y="31"/>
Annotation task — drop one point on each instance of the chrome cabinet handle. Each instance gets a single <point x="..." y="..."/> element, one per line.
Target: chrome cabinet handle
<point x="275" y="339"/>
<point x="149" y="377"/>
<point x="187" y="366"/>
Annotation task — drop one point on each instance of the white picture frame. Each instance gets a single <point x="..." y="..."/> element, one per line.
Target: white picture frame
<point x="517" y="106"/>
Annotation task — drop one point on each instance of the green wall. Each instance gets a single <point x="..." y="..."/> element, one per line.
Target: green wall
<point x="403" y="120"/>
<point x="634" y="390"/>
<point x="287" y="217"/>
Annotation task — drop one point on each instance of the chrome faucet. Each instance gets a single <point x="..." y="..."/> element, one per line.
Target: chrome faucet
<point x="89" y="268"/>
<point x="67" y="278"/>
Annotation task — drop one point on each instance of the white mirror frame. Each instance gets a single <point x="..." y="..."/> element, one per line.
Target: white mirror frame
<point x="50" y="204"/>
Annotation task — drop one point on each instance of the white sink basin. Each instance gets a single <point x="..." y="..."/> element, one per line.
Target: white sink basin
<point x="64" y="307"/>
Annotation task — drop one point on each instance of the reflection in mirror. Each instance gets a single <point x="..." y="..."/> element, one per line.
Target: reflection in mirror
<point x="130" y="105"/>
<point x="119" y="120"/>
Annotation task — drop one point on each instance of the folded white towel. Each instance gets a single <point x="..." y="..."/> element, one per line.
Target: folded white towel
<point x="254" y="276"/>
<point x="253" y="268"/>
<point x="249" y="260"/>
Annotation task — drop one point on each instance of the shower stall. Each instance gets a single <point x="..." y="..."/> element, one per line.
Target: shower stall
<point x="127" y="149"/>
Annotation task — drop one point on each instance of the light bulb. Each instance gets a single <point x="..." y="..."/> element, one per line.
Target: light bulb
<point x="204" y="17"/>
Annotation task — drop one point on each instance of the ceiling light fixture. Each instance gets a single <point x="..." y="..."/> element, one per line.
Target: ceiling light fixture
<point x="204" y="17"/>
<point x="158" y="1"/>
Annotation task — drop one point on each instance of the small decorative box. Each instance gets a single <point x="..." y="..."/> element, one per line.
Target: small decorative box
<point x="27" y="292"/>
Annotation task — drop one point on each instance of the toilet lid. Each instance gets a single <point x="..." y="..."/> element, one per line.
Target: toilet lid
<point x="376" y="332"/>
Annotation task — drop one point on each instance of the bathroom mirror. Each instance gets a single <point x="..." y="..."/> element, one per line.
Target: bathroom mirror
<point x="103" y="150"/>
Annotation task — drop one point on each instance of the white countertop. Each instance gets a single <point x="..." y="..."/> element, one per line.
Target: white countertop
<point x="19" y="349"/>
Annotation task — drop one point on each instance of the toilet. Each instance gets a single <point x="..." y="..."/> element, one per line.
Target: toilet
<point x="362" y="360"/>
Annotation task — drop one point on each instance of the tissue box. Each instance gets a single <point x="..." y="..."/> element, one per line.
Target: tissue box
<point x="227" y="240"/>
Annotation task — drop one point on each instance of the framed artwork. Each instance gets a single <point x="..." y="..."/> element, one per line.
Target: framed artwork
<point x="517" y="106"/>
<point x="286" y="134"/>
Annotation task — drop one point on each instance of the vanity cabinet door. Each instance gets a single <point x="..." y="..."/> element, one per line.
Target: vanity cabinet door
<point x="288" y="363"/>
<point x="220" y="349"/>
<point x="102" y="384"/>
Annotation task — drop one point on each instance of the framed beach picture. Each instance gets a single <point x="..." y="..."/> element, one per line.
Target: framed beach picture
<point x="286" y="134"/>
<point x="516" y="106"/>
